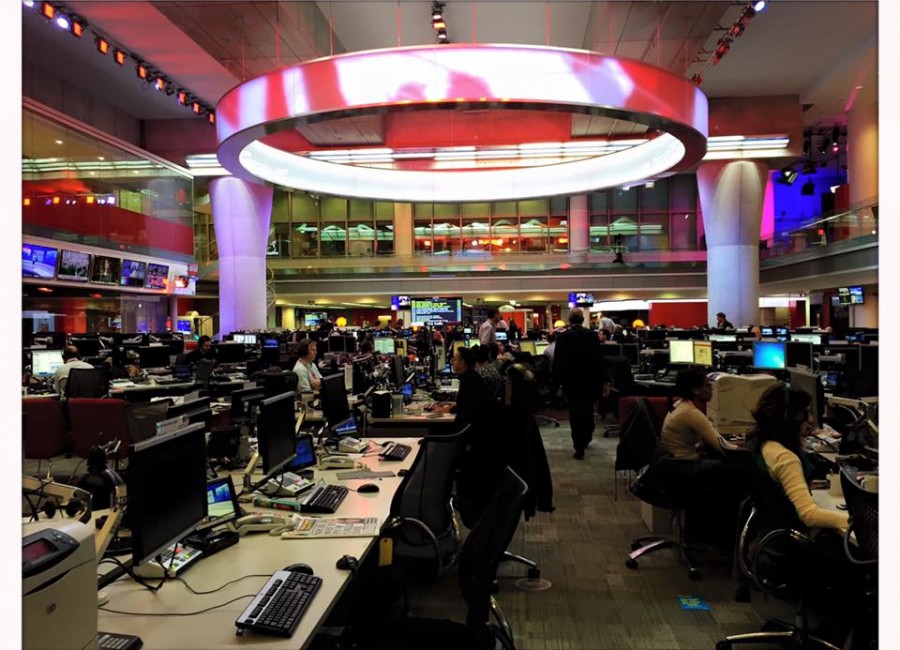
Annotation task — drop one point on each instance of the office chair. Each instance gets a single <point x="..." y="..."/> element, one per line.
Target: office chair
<point x="622" y="384"/>
<point x="88" y="382"/>
<point x="485" y="625"/>
<point x="142" y="418"/>
<point x="541" y="365"/>
<point x="638" y="439"/>
<point x="98" y="421"/>
<point x="863" y="530"/>
<point x="203" y="371"/>
<point x="44" y="431"/>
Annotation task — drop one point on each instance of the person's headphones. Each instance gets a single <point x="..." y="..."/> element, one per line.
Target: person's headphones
<point x="72" y="508"/>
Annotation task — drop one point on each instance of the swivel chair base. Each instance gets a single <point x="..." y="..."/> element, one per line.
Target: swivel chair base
<point x="643" y="545"/>
<point x="783" y="634"/>
<point x="533" y="581"/>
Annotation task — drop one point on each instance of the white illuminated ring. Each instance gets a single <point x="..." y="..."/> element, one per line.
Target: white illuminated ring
<point x="494" y="77"/>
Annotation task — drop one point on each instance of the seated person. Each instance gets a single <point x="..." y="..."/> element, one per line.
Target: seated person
<point x="71" y="359"/>
<point x="308" y="376"/>
<point x="493" y="381"/>
<point x="202" y="351"/>
<point x="686" y="432"/>
<point x="472" y="396"/>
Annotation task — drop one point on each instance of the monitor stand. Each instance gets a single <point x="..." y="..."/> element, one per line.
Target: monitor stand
<point x="171" y="566"/>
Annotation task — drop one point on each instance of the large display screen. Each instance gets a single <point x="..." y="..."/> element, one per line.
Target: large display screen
<point x="106" y="270"/>
<point x="681" y="352"/>
<point x="312" y="319"/>
<point x="38" y="261"/>
<point x="436" y="311"/>
<point x="74" y="266"/>
<point x="156" y="277"/>
<point x="400" y="302"/>
<point x="850" y="296"/>
<point x="133" y="273"/>
<point x="581" y="300"/>
<point x="769" y="355"/>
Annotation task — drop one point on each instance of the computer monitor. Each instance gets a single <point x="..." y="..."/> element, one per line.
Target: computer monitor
<point x="501" y="336"/>
<point x="455" y="346"/>
<point x="87" y="347"/>
<point x="166" y="490"/>
<point x="851" y="355"/>
<point x="782" y="333"/>
<point x="275" y="433"/>
<point x="336" y="343"/>
<point x="333" y="394"/>
<point x="384" y="345"/>
<point x="681" y="351"/>
<point x="798" y="354"/>
<point x="472" y="342"/>
<point x="187" y="406"/>
<point x="221" y="503"/>
<point x="304" y="453"/>
<point x="44" y="363"/>
<point x="723" y="338"/>
<point x="769" y="355"/>
<point x="361" y="374"/>
<point x="230" y="352"/>
<point x="38" y="261"/>
<point x="245" y="339"/>
<point x="154" y="356"/>
<point x="868" y="358"/>
<point x="242" y="397"/>
<point x="348" y="427"/>
<point x="805" y="337"/>
<point x="703" y="353"/>
<point x="810" y="384"/>
<point x="767" y="331"/>
<point x="610" y="350"/>
<point x="399" y="371"/>
<point x="540" y="346"/>
<point x="524" y="346"/>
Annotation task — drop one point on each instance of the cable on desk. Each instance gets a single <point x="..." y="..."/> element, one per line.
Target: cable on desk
<point x="200" y="611"/>
<point x="230" y="582"/>
<point x="137" y="578"/>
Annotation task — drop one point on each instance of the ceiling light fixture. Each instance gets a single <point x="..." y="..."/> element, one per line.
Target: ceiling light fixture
<point x="62" y="21"/>
<point x="119" y="57"/>
<point x="102" y="45"/>
<point x="48" y="11"/>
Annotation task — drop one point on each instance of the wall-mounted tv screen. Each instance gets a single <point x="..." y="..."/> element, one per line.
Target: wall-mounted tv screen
<point x="133" y="273"/>
<point x="436" y="311"/>
<point x="581" y="300"/>
<point x="312" y="318"/>
<point x="106" y="270"/>
<point x="400" y="302"/>
<point x="856" y="295"/>
<point x="156" y="277"/>
<point x="38" y="261"/>
<point x="74" y="266"/>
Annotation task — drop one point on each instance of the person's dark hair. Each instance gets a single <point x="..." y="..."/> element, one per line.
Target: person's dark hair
<point x="521" y="390"/>
<point x="551" y="336"/>
<point x="366" y="346"/>
<point x="467" y="355"/>
<point x="70" y="352"/>
<point x="687" y="381"/>
<point x="493" y="351"/>
<point x="576" y="317"/>
<point x="480" y="353"/>
<point x="721" y="313"/>
<point x="777" y="416"/>
<point x="303" y="347"/>
<point x="491" y="312"/>
<point x="203" y="339"/>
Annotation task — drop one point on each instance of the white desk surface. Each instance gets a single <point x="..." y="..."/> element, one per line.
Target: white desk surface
<point x="826" y="500"/>
<point x="256" y="553"/>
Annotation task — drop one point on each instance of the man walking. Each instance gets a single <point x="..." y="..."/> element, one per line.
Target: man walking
<point x="578" y="367"/>
<point x="487" y="333"/>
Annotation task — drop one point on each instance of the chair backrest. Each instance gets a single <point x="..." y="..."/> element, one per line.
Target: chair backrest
<point x="427" y="489"/>
<point x="862" y="506"/>
<point x="276" y="383"/>
<point x="98" y="421"/>
<point x="620" y="376"/>
<point x="639" y="443"/>
<point x="44" y="430"/>
<point x="483" y="549"/>
<point x="203" y="371"/>
<point x="88" y="382"/>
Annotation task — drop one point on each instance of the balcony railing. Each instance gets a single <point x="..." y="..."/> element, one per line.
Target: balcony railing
<point x="862" y="222"/>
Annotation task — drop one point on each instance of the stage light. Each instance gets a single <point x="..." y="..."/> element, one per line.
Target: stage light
<point x="77" y="27"/>
<point x="62" y="21"/>
<point x="789" y="175"/>
<point x="28" y="3"/>
<point x="102" y="45"/>
<point x="142" y="71"/>
<point x="211" y="118"/>
<point x="119" y="57"/>
<point x="89" y="200"/>
<point x="759" y="5"/>
<point x="26" y="201"/>
<point x="439" y="24"/>
<point x="197" y="108"/>
<point x="442" y="35"/>
<point x="183" y="98"/>
<point x="160" y="83"/>
<point x="48" y="11"/>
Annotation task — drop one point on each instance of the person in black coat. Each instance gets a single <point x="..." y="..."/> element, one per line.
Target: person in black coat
<point x="578" y="367"/>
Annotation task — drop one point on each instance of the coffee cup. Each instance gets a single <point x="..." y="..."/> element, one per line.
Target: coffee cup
<point x="834" y="485"/>
<point x="870" y="483"/>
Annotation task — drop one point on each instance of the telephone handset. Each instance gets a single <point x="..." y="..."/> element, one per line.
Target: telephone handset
<point x="337" y="462"/>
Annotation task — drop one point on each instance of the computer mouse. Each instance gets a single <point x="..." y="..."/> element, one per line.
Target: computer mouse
<point x="347" y="563"/>
<point x="300" y="568"/>
<point x="368" y="487"/>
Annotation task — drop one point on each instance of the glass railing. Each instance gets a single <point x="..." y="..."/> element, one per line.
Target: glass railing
<point x="862" y="222"/>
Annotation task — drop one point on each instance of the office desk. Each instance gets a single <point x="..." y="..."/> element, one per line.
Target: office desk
<point x="146" y="391"/>
<point x="256" y="553"/>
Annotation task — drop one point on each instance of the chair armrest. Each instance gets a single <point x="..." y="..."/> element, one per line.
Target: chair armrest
<point x="794" y="536"/>
<point x="399" y="522"/>
<point x="849" y="553"/>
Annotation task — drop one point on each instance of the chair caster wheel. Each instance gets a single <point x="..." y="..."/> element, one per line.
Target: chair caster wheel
<point x="694" y="574"/>
<point x="723" y="645"/>
<point x="635" y="546"/>
<point x="631" y="564"/>
<point x="534" y="574"/>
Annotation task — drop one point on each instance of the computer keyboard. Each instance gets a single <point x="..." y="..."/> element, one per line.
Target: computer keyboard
<point x="113" y="641"/>
<point x="278" y="607"/>
<point x="395" y="451"/>
<point x="324" y="499"/>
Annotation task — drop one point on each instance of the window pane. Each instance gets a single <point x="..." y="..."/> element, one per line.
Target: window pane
<point x="279" y="240"/>
<point x="624" y="232"/>
<point x="384" y="231"/>
<point x="505" y="209"/>
<point x="559" y="234"/>
<point x="422" y="240"/>
<point x="446" y="210"/>
<point x="447" y="236"/>
<point x="624" y="200"/>
<point x="334" y="210"/>
<point x="533" y="208"/>
<point x="361" y="210"/>
<point x="599" y="232"/>
<point x="656" y="198"/>
<point x="559" y="206"/>
<point x="304" y="207"/>
<point x="305" y="239"/>
<point x="361" y="238"/>
<point x="476" y="235"/>
<point x="599" y="201"/>
<point x="654" y="232"/>
<point x="384" y="211"/>
<point x="476" y="210"/>
<point x="504" y="235"/>
<point x="684" y="232"/>
<point x="423" y="210"/>
<point x="683" y="193"/>
<point x="280" y="207"/>
<point x="534" y="233"/>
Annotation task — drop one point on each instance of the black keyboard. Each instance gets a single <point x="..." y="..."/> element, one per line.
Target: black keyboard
<point x="113" y="641"/>
<point x="395" y="451"/>
<point x="280" y="604"/>
<point x="323" y="499"/>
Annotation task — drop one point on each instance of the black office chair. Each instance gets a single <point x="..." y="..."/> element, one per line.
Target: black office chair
<point x="861" y="548"/>
<point x="546" y="388"/>
<point x="485" y="625"/>
<point x="203" y="371"/>
<point x="88" y="382"/>
<point x="621" y="384"/>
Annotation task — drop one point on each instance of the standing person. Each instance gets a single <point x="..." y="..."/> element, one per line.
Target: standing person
<point x="579" y="368"/>
<point x="71" y="359"/>
<point x="309" y="379"/>
<point x="606" y="324"/>
<point x="487" y="333"/>
<point x="502" y="325"/>
<point x="723" y="323"/>
<point x="514" y="332"/>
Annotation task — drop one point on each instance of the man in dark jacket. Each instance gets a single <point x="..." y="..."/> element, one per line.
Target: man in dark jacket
<point x="578" y="367"/>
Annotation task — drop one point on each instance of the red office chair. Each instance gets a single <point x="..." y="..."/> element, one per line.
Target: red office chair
<point x="44" y="433"/>
<point x="97" y="421"/>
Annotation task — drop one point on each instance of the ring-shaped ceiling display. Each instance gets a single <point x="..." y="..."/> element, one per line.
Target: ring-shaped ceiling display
<point x="400" y="81"/>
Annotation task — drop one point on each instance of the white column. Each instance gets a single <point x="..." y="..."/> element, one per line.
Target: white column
<point x="579" y="227"/>
<point x="862" y="154"/>
<point x="241" y="215"/>
<point x="403" y="229"/>
<point x="731" y="199"/>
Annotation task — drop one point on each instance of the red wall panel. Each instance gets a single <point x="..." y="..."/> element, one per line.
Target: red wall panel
<point x="678" y="314"/>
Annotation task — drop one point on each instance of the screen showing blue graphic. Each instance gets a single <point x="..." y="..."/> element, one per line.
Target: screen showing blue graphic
<point x="768" y="355"/>
<point x="38" y="261"/>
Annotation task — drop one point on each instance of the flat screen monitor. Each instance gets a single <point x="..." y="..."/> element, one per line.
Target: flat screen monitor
<point x="851" y="355"/>
<point x="798" y="354"/>
<point x="472" y="342"/>
<point x="304" y="453"/>
<point x="400" y="302"/>
<point x="384" y="345"/>
<point x="133" y="273"/>
<point x="336" y="343"/>
<point x="74" y="266"/>
<point x="769" y="355"/>
<point x="408" y="390"/>
<point x="333" y="394"/>
<point x="87" y="347"/>
<point x="501" y="336"/>
<point x="399" y="371"/>
<point x="221" y="503"/>
<point x="312" y="319"/>
<point x="805" y="337"/>
<point x="524" y="346"/>
<point x="44" y="363"/>
<point x="183" y="326"/>
<point x="187" y="406"/>
<point x="810" y="384"/>
<point x="106" y="270"/>
<point x="348" y="427"/>
<point x="767" y="331"/>
<point x="681" y="351"/>
<point x="241" y="398"/>
<point x="230" y="352"/>
<point x="154" y="356"/>
<point x="632" y="352"/>
<point x="245" y="339"/>
<point x="581" y="300"/>
<point x="540" y="346"/>
<point x="857" y="297"/>
<point x="723" y="338"/>
<point x="703" y="353"/>
<point x="456" y="345"/>
<point x="868" y="358"/>
<point x="166" y="490"/>
<point x="39" y="261"/>
<point x="275" y="432"/>
<point x="156" y="277"/>
<point x="782" y="331"/>
<point x="436" y="311"/>
<point x="610" y="350"/>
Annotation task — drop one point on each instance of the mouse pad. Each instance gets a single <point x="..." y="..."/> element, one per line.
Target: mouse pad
<point x="364" y="473"/>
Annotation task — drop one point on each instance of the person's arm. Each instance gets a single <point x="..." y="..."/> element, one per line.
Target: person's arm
<point x="705" y="429"/>
<point x="785" y="466"/>
<point x="315" y="377"/>
<point x="303" y="383"/>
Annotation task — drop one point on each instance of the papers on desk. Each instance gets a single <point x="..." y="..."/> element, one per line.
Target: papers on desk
<point x="309" y="527"/>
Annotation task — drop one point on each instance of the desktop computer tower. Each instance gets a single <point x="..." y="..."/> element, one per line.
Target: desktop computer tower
<point x="381" y="404"/>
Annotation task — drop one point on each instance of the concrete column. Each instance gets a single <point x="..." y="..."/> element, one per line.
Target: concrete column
<point x="579" y="228"/>
<point x="241" y="215"/>
<point x="862" y="154"/>
<point x="731" y="198"/>
<point x="403" y="229"/>
<point x="173" y="312"/>
<point x="288" y="321"/>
